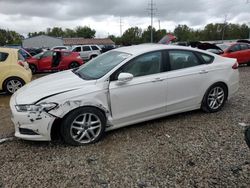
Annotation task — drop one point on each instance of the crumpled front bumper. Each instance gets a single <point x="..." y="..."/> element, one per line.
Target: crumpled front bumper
<point x="31" y="125"/>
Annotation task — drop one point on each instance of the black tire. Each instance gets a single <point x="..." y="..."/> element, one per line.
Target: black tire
<point x="15" y="80"/>
<point x="73" y="65"/>
<point x="93" y="56"/>
<point x="73" y="133"/>
<point x="214" y="103"/>
<point x="33" y="68"/>
<point x="247" y="136"/>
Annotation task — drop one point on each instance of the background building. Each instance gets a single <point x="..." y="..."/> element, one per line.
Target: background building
<point x="42" y="41"/>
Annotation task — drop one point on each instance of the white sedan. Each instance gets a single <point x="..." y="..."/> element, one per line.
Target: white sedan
<point x="122" y="87"/>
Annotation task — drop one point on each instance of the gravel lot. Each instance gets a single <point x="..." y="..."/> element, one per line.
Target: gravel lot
<point x="192" y="149"/>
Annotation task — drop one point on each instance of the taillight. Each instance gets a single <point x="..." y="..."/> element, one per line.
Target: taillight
<point x="235" y="66"/>
<point x="21" y="63"/>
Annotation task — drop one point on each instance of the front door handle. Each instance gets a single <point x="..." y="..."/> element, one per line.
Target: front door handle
<point x="203" y="72"/>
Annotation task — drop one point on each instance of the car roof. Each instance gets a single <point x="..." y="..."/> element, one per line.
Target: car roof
<point x="143" y="48"/>
<point x="7" y="50"/>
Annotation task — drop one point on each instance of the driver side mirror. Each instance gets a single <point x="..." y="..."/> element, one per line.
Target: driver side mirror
<point x="125" y="77"/>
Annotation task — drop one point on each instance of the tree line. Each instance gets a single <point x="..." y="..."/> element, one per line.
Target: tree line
<point x="136" y="35"/>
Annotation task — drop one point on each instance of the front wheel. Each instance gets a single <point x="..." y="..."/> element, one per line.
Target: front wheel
<point x="83" y="126"/>
<point x="214" y="98"/>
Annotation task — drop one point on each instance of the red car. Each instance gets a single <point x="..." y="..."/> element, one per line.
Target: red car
<point x="239" y="51"/>
<point x="54" y="60"/>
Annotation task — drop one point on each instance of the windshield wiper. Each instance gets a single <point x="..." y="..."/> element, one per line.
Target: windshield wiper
<point x="81" y="75"/>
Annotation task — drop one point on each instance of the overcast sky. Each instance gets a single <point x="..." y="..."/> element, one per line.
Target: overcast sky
<point x="26" y="16"/>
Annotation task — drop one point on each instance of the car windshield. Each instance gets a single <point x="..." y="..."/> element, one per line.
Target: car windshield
<point x="101" y="65"/>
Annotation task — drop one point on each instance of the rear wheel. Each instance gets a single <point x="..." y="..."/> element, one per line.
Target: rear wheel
<point x="33" y="68"/>
<point x="11" y="85"/>
<point x="214" y="98"/>
<point x="83" y="126"/>
<point x="73" y="65"/>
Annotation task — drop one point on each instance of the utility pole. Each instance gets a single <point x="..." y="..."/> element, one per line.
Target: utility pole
<point x="152" y="10"/>
<point x="121" y="26"/>
<point x="224" y="27"/>
<point x="159" y="21"/>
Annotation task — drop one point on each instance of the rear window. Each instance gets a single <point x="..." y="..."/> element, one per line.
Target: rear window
<point x="94" y="48"/>
<point x="3" y="56"/>
<point x="207" y="58"/>
<point x="20" y="56"/>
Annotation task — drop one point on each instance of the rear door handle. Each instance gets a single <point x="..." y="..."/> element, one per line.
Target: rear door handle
<point x="158" y="80"/>
<point x="203" y="72"/>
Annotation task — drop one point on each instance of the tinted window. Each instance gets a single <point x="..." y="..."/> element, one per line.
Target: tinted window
<point x="235" y="48"/>
<point x="86" y="48"/>
<point x="94" y="48"/>
<point x="243" y="46"/>
<point x="3" y="56"/>
<point x="182" y="59"/>
<point x="77" y="49"/>
<point x="146" y="64"/>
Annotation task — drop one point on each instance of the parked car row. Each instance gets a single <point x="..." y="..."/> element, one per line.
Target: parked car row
<point x="239" y="50"/>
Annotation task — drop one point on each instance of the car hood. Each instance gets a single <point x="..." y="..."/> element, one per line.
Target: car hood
<point x="51" y="85"/>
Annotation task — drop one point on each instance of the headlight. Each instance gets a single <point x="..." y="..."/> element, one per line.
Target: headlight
<point x="36" y="107"/>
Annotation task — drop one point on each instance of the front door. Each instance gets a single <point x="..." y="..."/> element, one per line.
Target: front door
<point x="142" y="97"/>
<point x="45" y="61"/>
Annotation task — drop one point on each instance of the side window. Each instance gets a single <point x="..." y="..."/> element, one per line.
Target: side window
<point x="248" y="46"/>
<point x="3" y="56"/>
<point x="20" y="56"/>
<point x="47" y="54"/>
<point x="143" y="65"/>
<point x="86" y="48"/>
<point x="235" y="48"/>
<point x="77" y="49"/>
<point x="180" y="59"/>
<point x="94" y="48"/>
<point x="243" y="46"/>
<point x="207" y="58"/>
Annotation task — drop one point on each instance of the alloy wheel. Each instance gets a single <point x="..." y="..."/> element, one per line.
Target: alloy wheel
<point x="216" y="97"/>
<point x="85" y="128"/>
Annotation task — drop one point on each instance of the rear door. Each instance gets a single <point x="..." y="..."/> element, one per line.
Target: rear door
<point x="245" y="52"/>
<point x="187" y="79"/>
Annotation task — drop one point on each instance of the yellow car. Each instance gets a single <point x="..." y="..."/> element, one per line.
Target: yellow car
<point x="14" y="70"/>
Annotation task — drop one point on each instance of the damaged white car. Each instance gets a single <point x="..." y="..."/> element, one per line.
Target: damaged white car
<point x="122" y="87"/>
